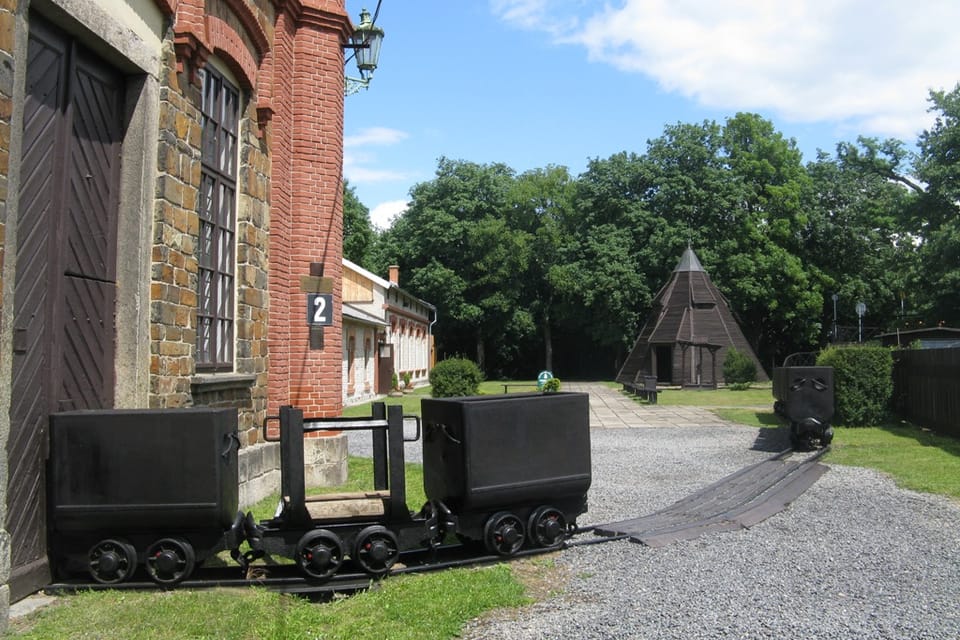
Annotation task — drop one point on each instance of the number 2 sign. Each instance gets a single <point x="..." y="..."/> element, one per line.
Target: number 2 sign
<point x="320" y="309"/>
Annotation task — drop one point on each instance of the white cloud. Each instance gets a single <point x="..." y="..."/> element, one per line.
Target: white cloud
<point x="375" y="136"/>
<point x="365" y="175"/>
<point x="360" y="153"/>
<point x="383" y="215"/>
<point x="865" y="65"/>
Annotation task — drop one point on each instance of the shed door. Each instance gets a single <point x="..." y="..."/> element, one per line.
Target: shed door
<point x="65" y="288"/>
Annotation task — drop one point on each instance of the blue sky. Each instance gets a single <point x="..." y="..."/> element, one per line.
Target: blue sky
<point x="537" y="82"/>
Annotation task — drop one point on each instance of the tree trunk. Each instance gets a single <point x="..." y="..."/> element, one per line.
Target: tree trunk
<point x="547" y="344"/>
<point x="480" y="355"/>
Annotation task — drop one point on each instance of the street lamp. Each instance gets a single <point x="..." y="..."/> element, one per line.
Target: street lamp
<point x="365" y="42"/>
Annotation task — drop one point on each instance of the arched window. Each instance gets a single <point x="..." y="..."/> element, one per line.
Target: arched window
<point x="217" y="211"/>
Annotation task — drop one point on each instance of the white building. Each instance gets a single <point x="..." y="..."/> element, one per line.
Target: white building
<point x="386" y="331"/>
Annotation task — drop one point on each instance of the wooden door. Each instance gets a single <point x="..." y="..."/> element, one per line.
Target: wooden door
<point x="65" y="286"/>
<point x="384" y="367"/>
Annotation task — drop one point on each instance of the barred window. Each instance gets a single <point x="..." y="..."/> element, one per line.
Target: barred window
<point x="217" y="209"/>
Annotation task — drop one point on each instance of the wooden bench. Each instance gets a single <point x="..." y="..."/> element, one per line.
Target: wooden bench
<point x="645" y="389"/>
<point x="531" y="385"/>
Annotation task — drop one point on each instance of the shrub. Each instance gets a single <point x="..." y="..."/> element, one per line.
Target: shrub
<point x="862" y="383"/>
<point x="738" y="369"/>
<point x="552" y="385"/>
<point x="455" y="377"/>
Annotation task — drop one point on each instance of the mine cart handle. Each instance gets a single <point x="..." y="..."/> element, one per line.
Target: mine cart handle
<point x="231" y="439"/>
<point x="416" y="419"/>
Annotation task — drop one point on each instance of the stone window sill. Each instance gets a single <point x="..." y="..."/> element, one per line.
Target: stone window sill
<point x="222" y="381"/>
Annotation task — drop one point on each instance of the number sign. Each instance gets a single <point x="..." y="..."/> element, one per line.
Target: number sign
<point x="320" y="309"/>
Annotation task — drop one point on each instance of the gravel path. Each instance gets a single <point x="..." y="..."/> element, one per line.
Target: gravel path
<point x="854" y="557"/>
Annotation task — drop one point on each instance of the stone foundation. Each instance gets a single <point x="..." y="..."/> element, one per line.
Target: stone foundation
<point x="325" y="461"/>
<point x="325" y="465"/>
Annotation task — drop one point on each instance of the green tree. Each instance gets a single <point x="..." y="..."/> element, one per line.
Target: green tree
<point x="938" y="166"/>
<point x="456" y="249"/>
<point x="358" y="234"/>
<point x="540" y="208"/>
<point x="854" y="238"/>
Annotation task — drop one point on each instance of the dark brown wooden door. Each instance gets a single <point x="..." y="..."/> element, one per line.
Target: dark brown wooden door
<point x="65" y="288"/>
<point x="384" y="367"/>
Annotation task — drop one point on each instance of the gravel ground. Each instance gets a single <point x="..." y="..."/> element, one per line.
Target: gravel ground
<point x="854" y="557"/>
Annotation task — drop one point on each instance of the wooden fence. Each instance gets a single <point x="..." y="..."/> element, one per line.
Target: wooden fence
<point x="926" y="388"/>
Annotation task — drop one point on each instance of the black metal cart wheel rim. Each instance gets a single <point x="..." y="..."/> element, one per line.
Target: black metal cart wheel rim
<point x="503" y="534"/>
<point x="547" y="527"/>
<point x="111" y="561"/>
<point x="170" y="560"/>
<point x="320" y="554"/>
<point x="376" y="550"/>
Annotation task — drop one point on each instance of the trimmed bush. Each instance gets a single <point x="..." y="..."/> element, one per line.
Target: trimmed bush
<point x="738" y="369"/>
<point x="551" y="386"/>
<point x="455" y="377"/>
<point x="862" y="383"/>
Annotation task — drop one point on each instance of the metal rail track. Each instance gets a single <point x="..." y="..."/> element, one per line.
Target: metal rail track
<point x="737" y="501"/>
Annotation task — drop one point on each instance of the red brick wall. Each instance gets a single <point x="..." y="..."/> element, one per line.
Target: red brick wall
<point x="288" y="56"/>
<point x="307" y="222"/>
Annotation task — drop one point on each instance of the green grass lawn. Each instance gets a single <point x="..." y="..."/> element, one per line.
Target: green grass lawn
<point x="414" y="607"/>
<point x="758" y="395"/>
<point x="916" y="458"/>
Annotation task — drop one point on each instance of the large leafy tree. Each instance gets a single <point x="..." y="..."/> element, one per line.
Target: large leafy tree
<point x="854" y="239"/>
<point x="939" y="167"/>
<point x="545" y="268"/>
<point x="540" y="209"/>
<point x="604" y="281"/>
<point x="358" y="234"/>
<point x="455" y="248"/>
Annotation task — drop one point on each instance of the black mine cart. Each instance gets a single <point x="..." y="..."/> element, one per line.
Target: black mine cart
<point x="526" y="456"/>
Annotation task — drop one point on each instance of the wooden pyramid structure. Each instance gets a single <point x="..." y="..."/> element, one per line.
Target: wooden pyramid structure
<point x="688" y="333"/>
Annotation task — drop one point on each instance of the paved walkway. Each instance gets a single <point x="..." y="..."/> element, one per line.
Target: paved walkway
<point x="609" y="408"/>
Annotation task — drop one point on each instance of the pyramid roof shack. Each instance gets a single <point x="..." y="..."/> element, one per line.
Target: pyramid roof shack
<point x="688" y="333"/>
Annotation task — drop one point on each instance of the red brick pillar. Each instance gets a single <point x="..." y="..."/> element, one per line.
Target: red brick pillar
<point x="306" y="224"/>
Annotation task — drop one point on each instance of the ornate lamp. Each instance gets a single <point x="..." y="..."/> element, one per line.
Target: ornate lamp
<point x="365" y="42"/>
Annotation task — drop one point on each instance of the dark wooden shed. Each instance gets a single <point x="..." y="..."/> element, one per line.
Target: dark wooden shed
<point x="688" y="333"/>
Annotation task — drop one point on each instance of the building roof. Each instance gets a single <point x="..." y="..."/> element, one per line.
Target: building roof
<point x="352" y="312"/>
<point x="386" y="284"/>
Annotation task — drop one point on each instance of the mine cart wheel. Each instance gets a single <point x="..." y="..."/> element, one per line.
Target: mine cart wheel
<point x="111" y="561"/>
<point x="547" y="527"/>
<point x="170" y="560"/>
<point x="503" y="534"/>
<point x="320" y="554"/>
<point x="827" y="437"/>
<point x="376" y="550"/>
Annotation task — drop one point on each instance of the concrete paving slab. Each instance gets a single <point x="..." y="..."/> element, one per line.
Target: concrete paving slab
<point x="612" y="409"/>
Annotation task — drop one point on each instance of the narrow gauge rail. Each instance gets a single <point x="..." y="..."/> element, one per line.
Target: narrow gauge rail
<point x="739" y="500"/>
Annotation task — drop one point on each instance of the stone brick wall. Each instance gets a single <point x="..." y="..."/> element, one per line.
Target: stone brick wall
<point x="174" y="285"/>
<point x="173" y="290"/>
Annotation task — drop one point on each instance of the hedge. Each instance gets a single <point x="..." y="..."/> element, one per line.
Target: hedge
<point x="862" y="382"/>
